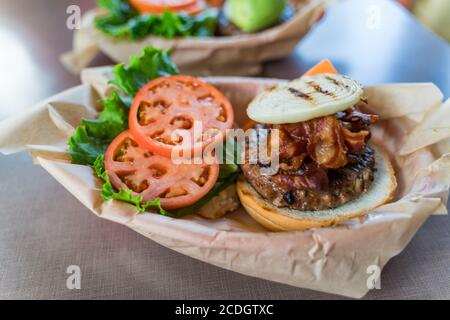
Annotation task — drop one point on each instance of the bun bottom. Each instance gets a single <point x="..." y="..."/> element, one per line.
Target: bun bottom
<point x="285" y="219"/>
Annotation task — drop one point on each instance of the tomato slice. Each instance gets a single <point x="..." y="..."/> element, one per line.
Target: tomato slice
<point x="194" y="9"/>
<point x="159" y="6"/>
<point x="153" y="176"/>
<point x="175" y="103"/>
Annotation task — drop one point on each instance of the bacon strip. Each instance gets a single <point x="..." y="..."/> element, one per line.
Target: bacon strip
<point x="326" y="145"/>
<point x="355" y="141"/>
<point x="355" y="120"/>
<point x="326" y="140"/>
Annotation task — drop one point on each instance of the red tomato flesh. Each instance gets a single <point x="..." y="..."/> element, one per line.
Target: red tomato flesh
<point x="175" y="104"/>
<point x="153" y="176"/>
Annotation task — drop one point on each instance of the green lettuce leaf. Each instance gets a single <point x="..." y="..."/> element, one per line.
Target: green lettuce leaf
<point x="83" y="148"/>
<point x="121" y="9"/>
<point x="154" y="63"/>
<point x="112" y="121"/>
<point x="123" y="21"/>
<point x="93" y="136"/>
<point x="91" y="139"/>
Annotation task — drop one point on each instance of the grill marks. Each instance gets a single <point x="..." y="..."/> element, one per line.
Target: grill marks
<point x="316" y="88"/>
<point x="337" y="82"/>
<point x="319" y="89"/>
<point x="299" y="94"/>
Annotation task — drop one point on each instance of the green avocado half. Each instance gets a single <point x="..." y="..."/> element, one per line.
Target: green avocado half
<point x="254" y="15"/>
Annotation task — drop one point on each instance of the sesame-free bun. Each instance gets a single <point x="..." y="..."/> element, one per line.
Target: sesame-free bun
<point x="283" y="219"/>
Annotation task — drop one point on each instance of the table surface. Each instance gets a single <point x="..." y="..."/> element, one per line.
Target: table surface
<point x="43" y="229"/>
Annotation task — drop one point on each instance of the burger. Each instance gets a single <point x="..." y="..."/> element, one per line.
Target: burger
<point x="328" y="169"/>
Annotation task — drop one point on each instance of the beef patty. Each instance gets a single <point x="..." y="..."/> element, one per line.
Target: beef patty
<point x="304" y="190"/>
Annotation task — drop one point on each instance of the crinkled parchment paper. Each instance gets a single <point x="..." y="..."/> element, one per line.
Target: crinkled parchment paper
<point x="235" y="55"/>
<point x="334" y="260"/>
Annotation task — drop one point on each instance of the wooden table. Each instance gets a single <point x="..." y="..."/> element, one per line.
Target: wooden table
<point x="43" y="229"/>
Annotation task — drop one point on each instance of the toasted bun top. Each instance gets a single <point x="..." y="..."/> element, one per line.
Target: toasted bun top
<point x="304" y="99"/>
